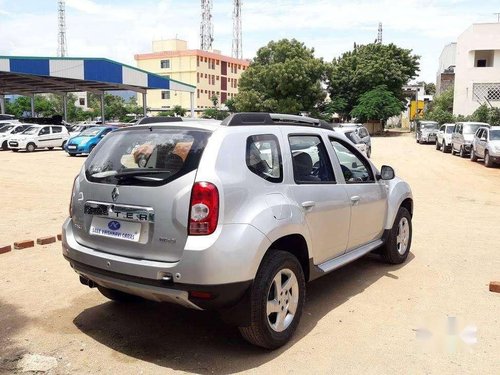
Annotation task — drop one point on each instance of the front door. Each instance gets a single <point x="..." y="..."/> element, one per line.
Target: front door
<point x="368" y="198"/>
<point x="324" y="201"/>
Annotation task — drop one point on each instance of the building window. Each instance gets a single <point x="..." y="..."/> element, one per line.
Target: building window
<point x="82" y="101"/>
<point x="165" y="64"/>
<point x="165" y="94"/>
<point x="198" y="77"/>
<point x="198" y="94"/>
<point x="481" y="64"/>
<point x="197" y="60"/>
<point x="482" y="91"/>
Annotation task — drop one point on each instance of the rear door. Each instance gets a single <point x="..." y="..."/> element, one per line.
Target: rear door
<point x="323" y="200"/>
<point x="134" y="198"/>
<point x="367" y="197"/>
<point x="57" y="136"/>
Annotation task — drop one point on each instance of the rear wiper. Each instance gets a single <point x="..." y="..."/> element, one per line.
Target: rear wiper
<point x="141" y="173"/>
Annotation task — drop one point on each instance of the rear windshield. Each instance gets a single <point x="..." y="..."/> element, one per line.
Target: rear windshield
<point x="146" y="157"/>
<point x="494" y="135"/>
<point x="353" y="137"/>
<point x="471" y="128"/>
<point x="429" y="125"/>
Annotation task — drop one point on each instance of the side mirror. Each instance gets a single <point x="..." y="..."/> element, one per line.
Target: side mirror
<point x="386" y="173"/>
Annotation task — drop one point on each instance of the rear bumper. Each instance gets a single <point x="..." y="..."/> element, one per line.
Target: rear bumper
<point x="225" y="268"/>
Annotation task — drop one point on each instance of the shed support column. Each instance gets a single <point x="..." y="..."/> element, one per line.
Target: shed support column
<point x="102" y="108"/>
<point x="144" y="104"/>
<point x="65" y="107"/>
<point x="33" y="105"/>
<point x="2" y="104"/>
<point x="191" y="100"/>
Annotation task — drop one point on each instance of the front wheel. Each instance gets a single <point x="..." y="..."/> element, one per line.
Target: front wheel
<point x="30" y="147"/>
<point x="443" y="147"/>
<point x="5" y="147"/>
<point x="398" y="243"/>
<point x="438" y="145"/>
<point x="277" y="300"/>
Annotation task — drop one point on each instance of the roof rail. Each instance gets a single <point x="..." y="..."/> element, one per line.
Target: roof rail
<point x="262" y="118"/>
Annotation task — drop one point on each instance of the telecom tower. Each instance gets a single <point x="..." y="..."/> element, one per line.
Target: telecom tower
<point x="379" y="36"/>
<point x="61" y="46"/>
<point x="237" y="51"/>
<point x="206" y="27"/>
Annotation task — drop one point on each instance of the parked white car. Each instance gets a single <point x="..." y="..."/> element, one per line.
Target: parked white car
<point x="443" y="141"/>
<point x="351" y="134"/>
<point x="39" y="136"/>
<point x="7" y="131"/>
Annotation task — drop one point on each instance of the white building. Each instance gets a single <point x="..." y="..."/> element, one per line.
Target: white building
<point x="446" y="73"/>
<point x="477" y="71"/>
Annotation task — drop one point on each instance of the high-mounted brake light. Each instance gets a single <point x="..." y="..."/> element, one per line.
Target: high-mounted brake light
<point x="204" y="209"/>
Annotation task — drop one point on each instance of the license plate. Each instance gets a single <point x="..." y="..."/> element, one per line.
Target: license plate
<point x="70" y="147"/>
<point x="123" y="230"/>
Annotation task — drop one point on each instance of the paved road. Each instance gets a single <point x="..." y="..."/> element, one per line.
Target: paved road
<point x="364" y="318"/>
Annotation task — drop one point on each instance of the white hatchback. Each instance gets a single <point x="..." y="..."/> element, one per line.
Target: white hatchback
<point x="39" y="136"/>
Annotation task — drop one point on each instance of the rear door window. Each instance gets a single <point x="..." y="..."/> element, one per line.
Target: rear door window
<point x="263" y="157"/>
<point x="311" y="163"/>
<point x="146" y="157"/>
<point x="56" y="129"/>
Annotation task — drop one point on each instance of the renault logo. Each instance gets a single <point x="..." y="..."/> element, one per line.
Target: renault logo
<point x="115" y="194"/>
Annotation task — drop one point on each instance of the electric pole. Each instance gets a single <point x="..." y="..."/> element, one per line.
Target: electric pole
<point x="61" y="45"/>
<point x="237" y="51"/>
<point x="206" y="27"/>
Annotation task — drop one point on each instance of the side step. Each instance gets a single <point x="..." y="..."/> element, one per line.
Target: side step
<point x="348" y="257"/>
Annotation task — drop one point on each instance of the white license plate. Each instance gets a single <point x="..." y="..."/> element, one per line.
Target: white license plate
<point x="123" y="230"/>
<point x="71" y="147"/>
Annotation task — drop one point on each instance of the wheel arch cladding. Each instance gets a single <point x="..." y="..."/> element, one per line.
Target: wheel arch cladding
<point x="408" y="204"/>
<point x="296" y="245"/>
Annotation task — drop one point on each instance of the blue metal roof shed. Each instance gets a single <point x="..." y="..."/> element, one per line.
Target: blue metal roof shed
<point x="60" y="75"/>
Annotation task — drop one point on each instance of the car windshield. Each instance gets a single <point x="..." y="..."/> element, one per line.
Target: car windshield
<point x="92" y="132"/>
<point x="449" y="129"/>
<point x="494" y="135"/>
<point x="429" y="126"/>
<point x="146" y="157"/>
<point x="6" y="128"/>
<point x="471" y="128"/>
<point x="32" y="130"/>
<point x="353" y="137"/>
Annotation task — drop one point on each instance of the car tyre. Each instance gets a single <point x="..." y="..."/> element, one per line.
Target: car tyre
<point x="5" y="146"/>
<point x="276" y="301"/>
<point x="438" y="145"/>
<point x="398" y="243"/>
<point x="443" y="147"/>
<point x="30" y="147"/>
<point x="117" y="295"/>
<point x="14" y="149"/>
<point x="461" y="153"/>
<point x="63" y="144"/>
<point x="487" y="160"/>
<point x="473" y="156"/>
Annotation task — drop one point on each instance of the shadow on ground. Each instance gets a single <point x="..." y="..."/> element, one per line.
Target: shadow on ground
<point x="200" y="342"/>
<point x="12" y="321"/>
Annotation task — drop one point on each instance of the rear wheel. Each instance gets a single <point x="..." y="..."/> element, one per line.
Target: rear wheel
<point x="30" y="147"/>
<point x="117" y="296"/>
<point x="5" y="146"/>
<point x="398" y="243"/>
<point x="276" y="302"/>
<point x="473" y="156"/>
<point x="461" y="153"/>
<point x="488" y="163"/>
<point x="443" y="147"/>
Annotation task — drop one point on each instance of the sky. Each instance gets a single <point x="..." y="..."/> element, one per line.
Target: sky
<point x="118" y="29"/>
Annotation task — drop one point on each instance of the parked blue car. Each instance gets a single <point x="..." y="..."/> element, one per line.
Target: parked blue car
<point x="85" y="142"/>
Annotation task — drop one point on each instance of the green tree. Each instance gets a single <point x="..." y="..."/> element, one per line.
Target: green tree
<point x="441" y="108"/>
<point x="283" y="77"/>
<point x="377" y="104"/>
<point x="215" y="100"/>
<point x="481" y="114"/>
<point x="367" y="67"/>
<point x="230" y="104"/>
<point x="494" y="117"/>
<point x="215" y="113"/>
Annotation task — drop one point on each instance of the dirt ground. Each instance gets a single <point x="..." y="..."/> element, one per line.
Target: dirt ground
<point x="366" y="318"/>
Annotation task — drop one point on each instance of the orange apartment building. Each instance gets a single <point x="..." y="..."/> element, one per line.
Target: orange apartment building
<point x="209" y="71"/>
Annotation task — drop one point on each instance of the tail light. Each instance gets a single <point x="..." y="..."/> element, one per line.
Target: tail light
<point x="204" y="209"/>
<point x="72" y="196"/>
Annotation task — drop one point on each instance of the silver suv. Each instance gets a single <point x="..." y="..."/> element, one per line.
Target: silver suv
<point x="486" y="145"/>
<point x="463" y="134"/>
<point x="235" y="217"/>
<point x="426" y="131"/>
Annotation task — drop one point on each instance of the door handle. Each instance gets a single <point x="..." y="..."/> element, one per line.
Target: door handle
<point x="308" y="204"/>
<point x="355" y="199"/>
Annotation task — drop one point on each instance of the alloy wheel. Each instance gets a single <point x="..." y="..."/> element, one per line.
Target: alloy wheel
<point x="282" y="300"/>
